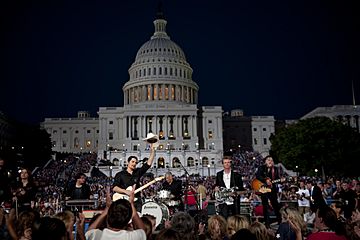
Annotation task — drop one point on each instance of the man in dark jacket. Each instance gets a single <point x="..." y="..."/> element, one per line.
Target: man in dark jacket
<point x="225" y="180"/>
<point x="267" y="173"/>
<point x="79" y="190"/>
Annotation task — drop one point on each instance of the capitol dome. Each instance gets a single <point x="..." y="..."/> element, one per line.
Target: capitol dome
<point x="160" y="72"/>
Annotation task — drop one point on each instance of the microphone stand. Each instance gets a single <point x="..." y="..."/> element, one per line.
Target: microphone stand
<point x="186" y="188"/>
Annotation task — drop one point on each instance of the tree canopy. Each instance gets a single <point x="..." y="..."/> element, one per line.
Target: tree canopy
<point x="318" y="143"/>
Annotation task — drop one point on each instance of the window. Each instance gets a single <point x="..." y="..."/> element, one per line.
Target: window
<point x="160" y="71"/>
<point x="149" y="71"/>
<point x="76" y="142"/>
<point x="154" y="71"/>
<point x="265" y="141"/>
<point x="264" y="129"/>
<point x="165" y="71"/>
<point x="210" y="121"/>
<point x="111" y="122"/>
<point x="76" y="131"/>
<point x="88" y="131"/>
<point x="111" y="135"/>
<point x="54" y="143"/>
<point x="171" y="71"/>
<point x="55" y="132"/>
<point x="97" y="131"/>
<point x="210" y="134"/>
<point x="255" y="129"/>
<point x="190" y="162"/>
<point x="64" y="144"/>
<point x="64" y="132"/>
<point x="88" y="143"/>
<point x="255" y="141"/>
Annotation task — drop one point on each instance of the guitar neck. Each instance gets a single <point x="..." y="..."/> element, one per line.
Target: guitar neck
<point x="144" y="186"/>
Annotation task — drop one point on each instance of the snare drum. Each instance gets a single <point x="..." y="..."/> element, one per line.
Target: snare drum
<point x="164" y="194"/>
<point x="158" y="210"/>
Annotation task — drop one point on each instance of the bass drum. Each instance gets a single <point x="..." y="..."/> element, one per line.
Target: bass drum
<point x="158" y="210"/>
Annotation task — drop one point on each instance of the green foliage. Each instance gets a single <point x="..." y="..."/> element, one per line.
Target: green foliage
<point x="317" y="143"/>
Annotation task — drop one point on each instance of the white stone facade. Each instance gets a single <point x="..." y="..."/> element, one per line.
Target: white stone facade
<point x="347" y="114"/>
<point x="262" y="127"/>
<point x="73" y="134"/>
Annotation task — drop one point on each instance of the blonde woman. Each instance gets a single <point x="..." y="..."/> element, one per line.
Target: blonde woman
<point x="235" y="223"/>
<point x="260" y="231"/>
<point x="69" y="219"/>
<point x="291" y="220"/>
<point x="217" y="228"/>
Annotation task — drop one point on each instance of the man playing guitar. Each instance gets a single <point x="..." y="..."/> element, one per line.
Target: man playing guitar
<point x="132" y="175"/>
<point x="266" y="174"/>
<point x="227" y="178"/>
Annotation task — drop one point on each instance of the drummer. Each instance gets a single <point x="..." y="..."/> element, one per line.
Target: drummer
<point x="174" y="187"/>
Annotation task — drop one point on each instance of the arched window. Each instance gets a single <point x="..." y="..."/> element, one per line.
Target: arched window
<point x="205" y="161"/>
<point x="76" y="142"/>
<point x="175" y="162"/>
<point x="161" y="162"/>
<point x="190" y="162"/>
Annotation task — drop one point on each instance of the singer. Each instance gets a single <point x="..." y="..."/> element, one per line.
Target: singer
<point x="127" y="178"/>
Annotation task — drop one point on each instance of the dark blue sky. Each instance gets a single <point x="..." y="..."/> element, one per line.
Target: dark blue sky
<point x="281" y="58"/>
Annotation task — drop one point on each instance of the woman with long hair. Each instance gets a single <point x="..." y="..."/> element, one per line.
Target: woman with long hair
<point x="217" y="228"/>
<point x="235" y="223"/>
<point x="285" y="230"/>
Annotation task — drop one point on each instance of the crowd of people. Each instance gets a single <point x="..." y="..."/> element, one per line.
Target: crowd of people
<point x="300" y="207"/>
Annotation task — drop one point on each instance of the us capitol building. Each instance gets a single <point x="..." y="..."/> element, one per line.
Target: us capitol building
<point x="160" y="97"/>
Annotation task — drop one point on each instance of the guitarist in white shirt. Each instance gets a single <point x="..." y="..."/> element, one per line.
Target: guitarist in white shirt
<point x="127" y="178"/>
<point x="227" y="178"/>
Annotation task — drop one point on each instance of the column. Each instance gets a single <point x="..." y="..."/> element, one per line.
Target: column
<point x="194" y="126"/>
<point x="191" y="96"/>
<point x="165" y="126"/>
<point x="175" y="125"/>
<point x="117" y="128"/>
<point x="163" y="91"/>
<point x="190" y="126"/>
<point x="182" y="93"/>
<point x="204" y="128"/>
<point x="125" y="96"/>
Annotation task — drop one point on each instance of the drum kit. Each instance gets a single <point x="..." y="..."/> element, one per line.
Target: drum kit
<point x="161" y="207"/>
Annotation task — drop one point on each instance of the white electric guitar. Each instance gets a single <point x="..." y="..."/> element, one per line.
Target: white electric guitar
<point x="117" y="196"/>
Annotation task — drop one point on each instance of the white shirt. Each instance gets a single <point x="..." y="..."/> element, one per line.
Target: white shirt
<point x="96" y="234"/>
<point x="226" y="178"/>
<point x="304" y="202"/>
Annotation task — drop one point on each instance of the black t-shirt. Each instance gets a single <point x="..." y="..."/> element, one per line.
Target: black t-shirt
<point x="175" y="188"/>
<point x="348" y="197"/>
<point x="124" y="179"/>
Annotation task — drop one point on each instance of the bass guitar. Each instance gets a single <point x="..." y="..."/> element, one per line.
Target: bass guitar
<point x="117" y="196"/>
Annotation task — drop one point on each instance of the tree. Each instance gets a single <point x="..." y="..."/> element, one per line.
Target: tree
<point x="318" y="143"/>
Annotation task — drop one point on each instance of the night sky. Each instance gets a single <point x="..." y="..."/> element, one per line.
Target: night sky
<point x="281" y="58"/>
